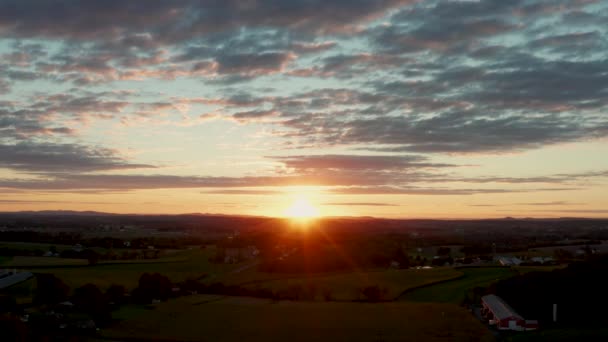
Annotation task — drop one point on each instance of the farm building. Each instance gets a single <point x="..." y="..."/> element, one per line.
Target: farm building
<point x="500" y="313"/>
<point x="10" y="278"/>
<point x="508" y="261"/>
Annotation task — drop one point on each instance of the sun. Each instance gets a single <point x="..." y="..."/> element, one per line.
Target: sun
<point x="301" y="208"/>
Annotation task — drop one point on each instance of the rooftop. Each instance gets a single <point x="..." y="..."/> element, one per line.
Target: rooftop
<point x="499" y="308"/>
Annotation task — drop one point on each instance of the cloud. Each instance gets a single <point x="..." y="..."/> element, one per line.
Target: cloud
<point x="254" y="115"/>
<point x="243" y="192"/>
<point x="413" y="190"/>
<point x="182" y="19"/>
<point x="553" y="203"/>
<point x="68" y="158"/>
<point x="254" y="64"/>
<point x="362" y="204"/>
<point x="357" y="162"/>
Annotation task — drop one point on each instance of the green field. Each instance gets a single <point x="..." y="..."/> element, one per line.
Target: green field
<point x="213" y="318"/>
<point x="33" y="262"/>
<point x="453" y="291"/>
<point x="178" y="266"/>
<point x="4" y="260"/>
<point x="346" y="286"/>
<point x="560" y="335"/>
<point x="32" y="246"/>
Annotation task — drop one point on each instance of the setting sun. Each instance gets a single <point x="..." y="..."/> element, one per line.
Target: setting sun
<point x="301" y="208"/>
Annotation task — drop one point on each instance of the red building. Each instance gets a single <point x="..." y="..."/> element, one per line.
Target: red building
<point x="500" y="313"/>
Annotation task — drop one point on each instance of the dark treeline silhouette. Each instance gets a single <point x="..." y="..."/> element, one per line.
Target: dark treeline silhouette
<point x="63" y="238"/>
<point x="579" y="290"/>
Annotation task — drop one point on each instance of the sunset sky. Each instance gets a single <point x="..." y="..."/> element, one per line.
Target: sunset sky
<point x="386" y="108"/>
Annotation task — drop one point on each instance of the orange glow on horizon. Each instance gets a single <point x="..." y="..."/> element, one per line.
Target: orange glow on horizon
<point x="302" y="209"/>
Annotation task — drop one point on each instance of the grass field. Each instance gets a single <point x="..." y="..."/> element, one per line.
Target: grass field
<point x="560" y="335"/>
<point x="32" y="246"/>
<point x="212" y="318"/>
<point x="453" y="291"/>
<point x="346" y="286"/>
<point x="33" y="262"/>
<point x="179" y="266"/>
<point x="4" y="260"/>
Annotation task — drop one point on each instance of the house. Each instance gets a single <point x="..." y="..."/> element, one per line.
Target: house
<point x="232" y="255"/>
<point x="499" y="313"/>
<point x="541" y="260"/>
<point x="508" y="261"/>
<point x="235" y="255"/>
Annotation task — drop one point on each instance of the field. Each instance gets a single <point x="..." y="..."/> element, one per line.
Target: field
<point x="32" y="246"/>
<point x="178" y="266"/>
<point x="33" y="262"/>
<point x="346" y="286"/>
<point x="453" y="291"/>
<point x="560" y="335"/>
<point x="213" y="318"/>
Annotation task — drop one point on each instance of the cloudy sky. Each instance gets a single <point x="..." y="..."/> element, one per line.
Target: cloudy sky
<point x="394" y="108"/>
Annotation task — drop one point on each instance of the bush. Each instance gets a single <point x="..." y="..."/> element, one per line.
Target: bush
<point x="374" y="293"/>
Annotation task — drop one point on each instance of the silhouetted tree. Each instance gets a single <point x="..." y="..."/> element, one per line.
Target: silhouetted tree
<point x="402" y="258"/>
<point x="152" y="286"/>
<point x="90" y="300"/>
<point x="444" y="251"/>
<point x="12" y="329"/>
<point x="49" y="289"/>
<point x="374" y="293"/>
<point x="8" y="304"/>
<point x="116" y="294"/>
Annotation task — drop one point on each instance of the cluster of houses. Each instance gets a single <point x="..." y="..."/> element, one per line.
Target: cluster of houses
<point x="515" y="261"/>
<point x="238" y="254"/>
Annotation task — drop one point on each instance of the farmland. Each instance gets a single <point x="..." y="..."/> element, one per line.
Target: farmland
<point x="346" y="286"/>
<point x="453" y="291"/>
<point x="216" y="318"/>
<point x="75" y="272"/>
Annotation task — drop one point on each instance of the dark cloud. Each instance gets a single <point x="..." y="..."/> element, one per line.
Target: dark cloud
<point x="68" y="158"/>
<point x="171" y="21"/>
<point x="254" y="115"/>
<point x="254" y="64"/>
<point x="553" y="203"/>
<point x="357" y="162"/>
<point x="44" y="115"/>
<point x="411" y="190"/>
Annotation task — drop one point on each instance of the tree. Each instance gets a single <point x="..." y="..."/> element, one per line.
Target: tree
<point x="444" y="251"/>
<point x="13" y="329"/>
<point x="116" y="294"/>
<point x="8" y="304"/>
<point x="374" y="293"/>
<point x="50" y="289"/>
<point x="402" y="258"/>
<point x="90" y="300"/>
<point x="562" y="255"/>
<point x="91" y="256"/>
<point x="152" y="286"/>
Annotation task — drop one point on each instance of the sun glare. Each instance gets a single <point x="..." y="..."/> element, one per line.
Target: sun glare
<point x="301" y="208"/>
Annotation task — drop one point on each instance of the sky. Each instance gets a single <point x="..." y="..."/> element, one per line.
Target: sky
<point x="386" y="108"/>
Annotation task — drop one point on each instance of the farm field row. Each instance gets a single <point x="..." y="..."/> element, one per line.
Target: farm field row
<point x="213" y="318"/>
<point x="347" y="286"/>
<point x="178" y="266"/>
<point x="453" y="291"/>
